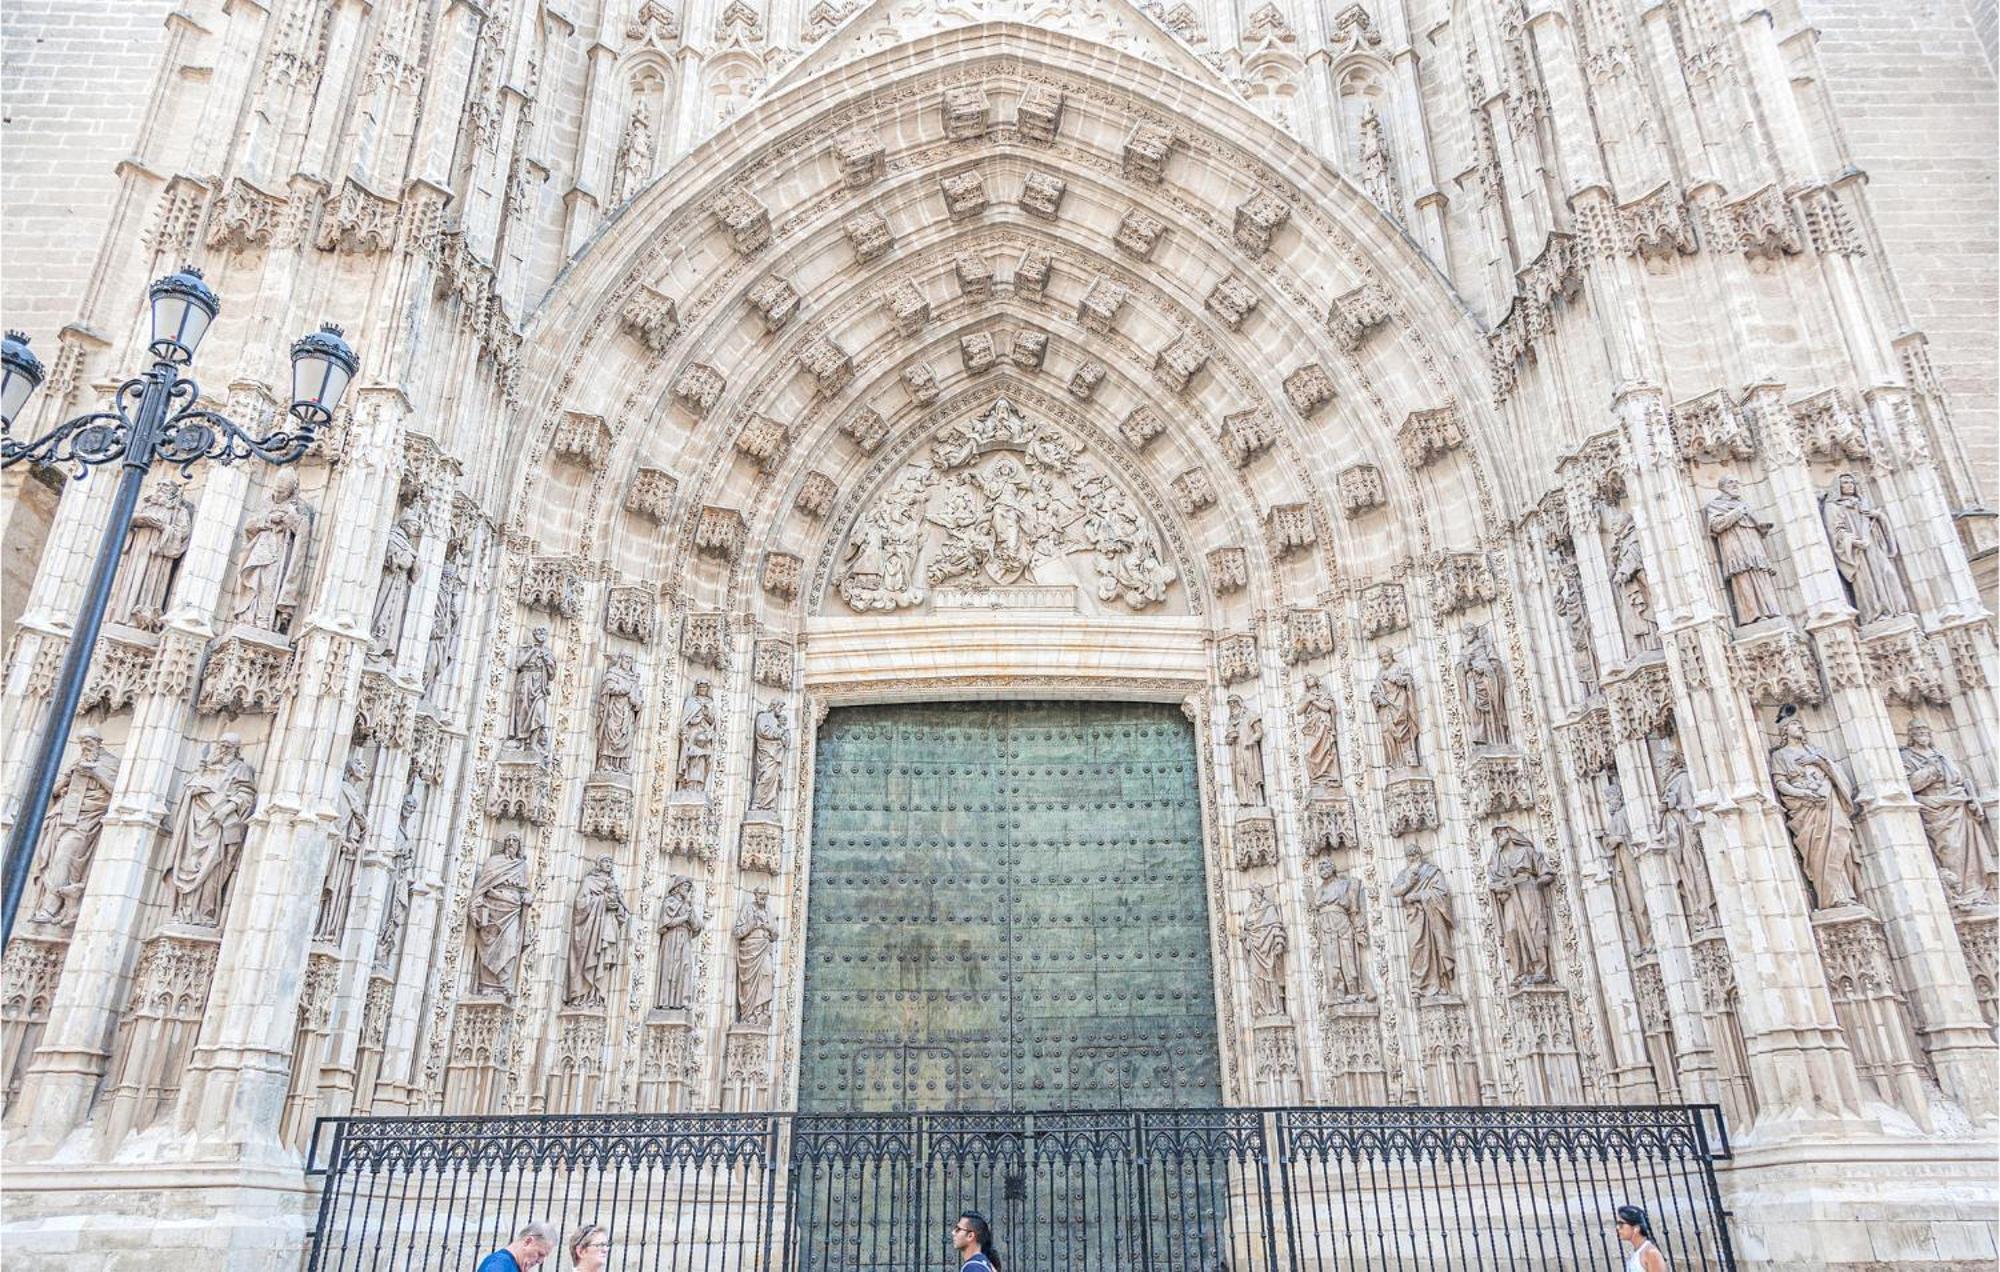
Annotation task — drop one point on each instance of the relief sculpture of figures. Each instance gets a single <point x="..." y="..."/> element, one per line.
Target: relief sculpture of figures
<point x="1680" y="825"/>
<point x="1819" y="811"/>
<point x="1340" y="924"/>
<point x="1245" y="735"/>
<point x="1520" y="878"/>
<point x="1482" y="678"/>
<point x="773" y="737"/>
<point x="680" y="923"/>
<point x="1319" y="727"/>
<point x="1267" y="943"/>
<point x="697" y="755"/>
<point x="277" y="545"/>
<point x="350" y="828"/>
<point x="392" y="597"/>
<point x="1864" y="550"/>
<point x="881" y="560"/>
<point x="1395" y="699"/>
<point x="620" y="699"/>
<point x="1628" y="574"/>
<point x="1128" y="563"/>
<point x="1616" y="838"/>
<point x="1433" y="921"/>
<point x="534" y="677"/>
<point x="756" y="936"/>
<point x="597" y="921"/>
<point x="77" y="805"/>
<point x="1960" y="836"/>
<point x="1739" y="545"/>
<point x="162" y="527"/>
<point x="496" y="919"/>
<point x="446" y="617"/>
<point x="213" y="820"/>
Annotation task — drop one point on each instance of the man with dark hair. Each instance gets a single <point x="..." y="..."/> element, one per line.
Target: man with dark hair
<point x="973" y="1239"/>
<point x="531" y="1244"/>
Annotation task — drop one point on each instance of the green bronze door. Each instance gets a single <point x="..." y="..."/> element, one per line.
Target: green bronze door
<point x="1007" y="911"/>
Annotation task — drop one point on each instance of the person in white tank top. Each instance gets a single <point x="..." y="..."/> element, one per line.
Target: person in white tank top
<point x="1637" y="1234"/>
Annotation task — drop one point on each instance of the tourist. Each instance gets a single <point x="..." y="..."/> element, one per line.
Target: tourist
<point x="1634" y="1231"/>
<point x="531" y="1244"/>
<point x="590" y="1247"/>
<point x="973" y="1239"/>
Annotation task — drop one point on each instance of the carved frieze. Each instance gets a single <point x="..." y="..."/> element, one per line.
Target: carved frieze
<point x="1039" y="116"/>
<point x="1360" y="490"/>
<point x="1289" y="529"/>
<point x="868" y="234"/>
<point x="1139" y="234"/>
<point x="1329" y="824"/>
<point x="1385" y="608"/>
<point x="1146" y="152"/>
<point x="119" y="669"/>
<point x="606" y="812"/>
<point x="1409" y="804"/>
<point x="699" y="388"/>
<point x="1904" y="666"/>
<point x="650" y="318"/>
<point x="1827" y="428"/>
<point x="1499" y="783"/>
<point x="966" y="112"/>
<point x="1236" y="657"/>
<point x="630" y="612"/>
<point x="245" y="217"/>
<point x="720" y="532"/>
<point x="1247" y="434"/>
<point x="1031" y="272"/>
<point x="524" y="789"/>
<point x="763" y="441"/>
<point x="1641" y="700"/>
<point x="705" y="639"/>
<point x="816" y="495"/>
<point x="771" y="663"/>
<point x="1354" y="316"/>
<point x="651" y="494"/>
<point x="760" y="846"/>
<point x="1258" y="220"/>
<point x="582" y="438"/>
<point x="1761" y="225"/>
<point x="553" y="584"/>
<point x="775" y="300"/>
<point x="248" y="672"/>
<point x="1656" y="226"/>
<point x="385" y="709"/>
<point x="1308" y="389"/>
<point x="1256" y="842"/>
<point x="828" y="365"/>
<point x="1463" y="580"/>
<point x="1426" y="436"/>
<point x="781" y="574"/>
<point x="357" y="221"/>
<point x="1775" y="667"/>
<point x="964" y="194"/>
<point x="1308" y="633"/>
<point x="1042" y="195"/>
<point x="1588" y="738"/>
<point x="1228" y="570"/>
<point x="1098" y="309"/>
<point x="1231" y="301"/>
<point x="1712" y="428"/>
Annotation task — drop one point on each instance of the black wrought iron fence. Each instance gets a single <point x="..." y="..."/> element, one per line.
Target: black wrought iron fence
<point x="1192" y="1190"/>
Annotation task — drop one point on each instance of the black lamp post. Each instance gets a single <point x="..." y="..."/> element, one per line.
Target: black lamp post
<point x="152" y="416"/>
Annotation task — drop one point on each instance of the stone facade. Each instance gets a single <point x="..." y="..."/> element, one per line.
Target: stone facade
<point x="667" y="431"/>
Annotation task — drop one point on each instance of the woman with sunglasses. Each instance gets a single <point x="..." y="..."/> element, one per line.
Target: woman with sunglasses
<point x="972" y="1237"/>
<point x="1636" y="1232"/>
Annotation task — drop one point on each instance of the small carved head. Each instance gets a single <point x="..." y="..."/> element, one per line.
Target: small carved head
<point x="604" y="865"/>
<point x="226" y="747"/>
<point x="701" y="688"/>
<point x="1614" y="794"/>
<point x="1847" y="486"/>
<point x="1328" y="868"/>
<point x="284" y="486"/>
<point x="357" y="766"/>
<point x="541" y="636"/>
<point x="1414" y="853"/>
<point x="1792" y="730"/>
<point x="511" y="846"/>
<point x="90" y="742"/>
<point x="1918" y="734"/>
<point x="682" y="886"/>
<point x="760" y="896"/>
<point x="1730" y="486"/>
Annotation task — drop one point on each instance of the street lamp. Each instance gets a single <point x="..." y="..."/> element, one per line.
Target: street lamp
<point x="152" y="416"/>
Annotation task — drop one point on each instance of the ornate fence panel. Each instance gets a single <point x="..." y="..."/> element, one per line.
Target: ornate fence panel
<point x="1192" y="1190"/>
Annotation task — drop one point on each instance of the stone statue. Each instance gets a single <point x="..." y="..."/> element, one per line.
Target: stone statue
<point x="1520" y="878"/>
<point x="1482" y="679"/>
<point x="596" y="926"/>
<point x="1395" y="700"/>
<point x="773" y="737"/>
<point x="635" y="156"/>
<point x="397" y="912"/>
<point x="392" y="598"/>
<point x="1245" y="736"/>
<point x="1340" y="925"/>
<point x="277" y="546"/>
<point x="534" y="676"/>
<point x="1739" y="545"/>
<point x="162" y="527"/>
<point x="620" y="699"/>
<point x="496" y="918"/>
<point x="445" y="620"/>
<point x="1819" y="813"/>
<point x="1378" y="174"/>
<point x="1319" y="727"/>
<point x="1427" y="906"/>
<point x="209" y="830"/>
<point x="350" y="830"/>
<point x="680" y="923"/>
<point x="1864" y="550"/>
<point x="756" y="935"/>
<point x="1961" y="838"/>
<point x="697" y="757"/>
<point x="1680" y="826"/>
<point x="77" y="805"/>
<point x="1267" y="944"/>
<point x="1616" y="838"/>
<point x="1567" y="596"/>
<point x="1628" y="575"/>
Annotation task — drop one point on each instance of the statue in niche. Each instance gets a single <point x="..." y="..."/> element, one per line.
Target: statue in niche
<point x="635" y="156"/>
<point x="1961" y="839"/>
<point x="772" y="738"/>
<point x="680" y="924"/>
<point x="209" y="830"/>
<point x="496" y="918"/>
<point x="1567" y="596"/>
<point x="1127" y="560"/>
<point x="697" y="752"/>
<point x="1819" y="812"/>
<point x="1340" y="925"/>
<point x="445" y="620"/>
<point x="1680" y="826"/>
<point x="350" y="829"/>
<point x="1267" y="943"/>
<point x="1864" y="550"/>
<point x="1616" y="838"/>
<point x="1378" y="173"/>
<point x="392" y="597"/>
<point x="1520" y="878"/>
<point x="756" y="936"/>
<point x="1628" y="575"/>
<point x="1739" y="546"/>
<point x="1395" y="700"/>
<point x="597" y="921"/>
<point x="1482" y="679"/>
<point x="620" y="699"/>
<point x="277" y="544"/>
<point x="162" y="528"/>
<point x="1433" y="920"/>
<point x="397" y="912"/>
<point x="77" y="805"/>
<point x="1319" y="727"/>
<point x="1245" y="735"/>
<point x="534" y="677"/>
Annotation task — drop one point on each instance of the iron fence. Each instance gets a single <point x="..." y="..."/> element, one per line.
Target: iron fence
<point x="1191" y="1190"/>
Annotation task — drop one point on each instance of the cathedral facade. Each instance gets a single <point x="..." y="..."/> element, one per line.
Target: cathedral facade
<point x="1492" y="478"/>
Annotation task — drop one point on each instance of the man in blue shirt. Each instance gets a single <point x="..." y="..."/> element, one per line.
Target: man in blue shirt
<point x="528" y="1248"/>
<point x="973" y="1240"/>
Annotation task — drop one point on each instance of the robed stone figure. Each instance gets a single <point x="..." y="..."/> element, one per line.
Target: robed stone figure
<point x="1340" y="925"/>
<point x="1267" y="944"/>
<point x="1482" y="679"/>
<point x="1395" y="701"/>
<point x="772" y="737"/>
<point x="350" y="831"/>
<point x="1319" y="729"/>
<point x="1680" y="826"/>
<point x="75" y="818"/>
<point x="1427" y="906"/>
<point x="620" y="699"/>
<point x="1819" y="812"/>
<point x="495" y="918"/>
<point x="399" y="577"/>
<point x="209" y="830"/>
<point x="1739" y="546"/>
<point x="1616" y="838"/>
<point x="1245" y="736"/>
<point x="162" y="527"/>
<point x="276" y="545"/>
<point x="697" y="750"/>
<point x="756" y="937"/>
<point x="534" y="677"/>
<point x="1960" y="837"/>
<point x="1520" y="879"/>
<point x="680" y="924"/>
<point x="446" y="617"/>
<point x="1864" y="550"/>
<point x="596" y="929"/>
